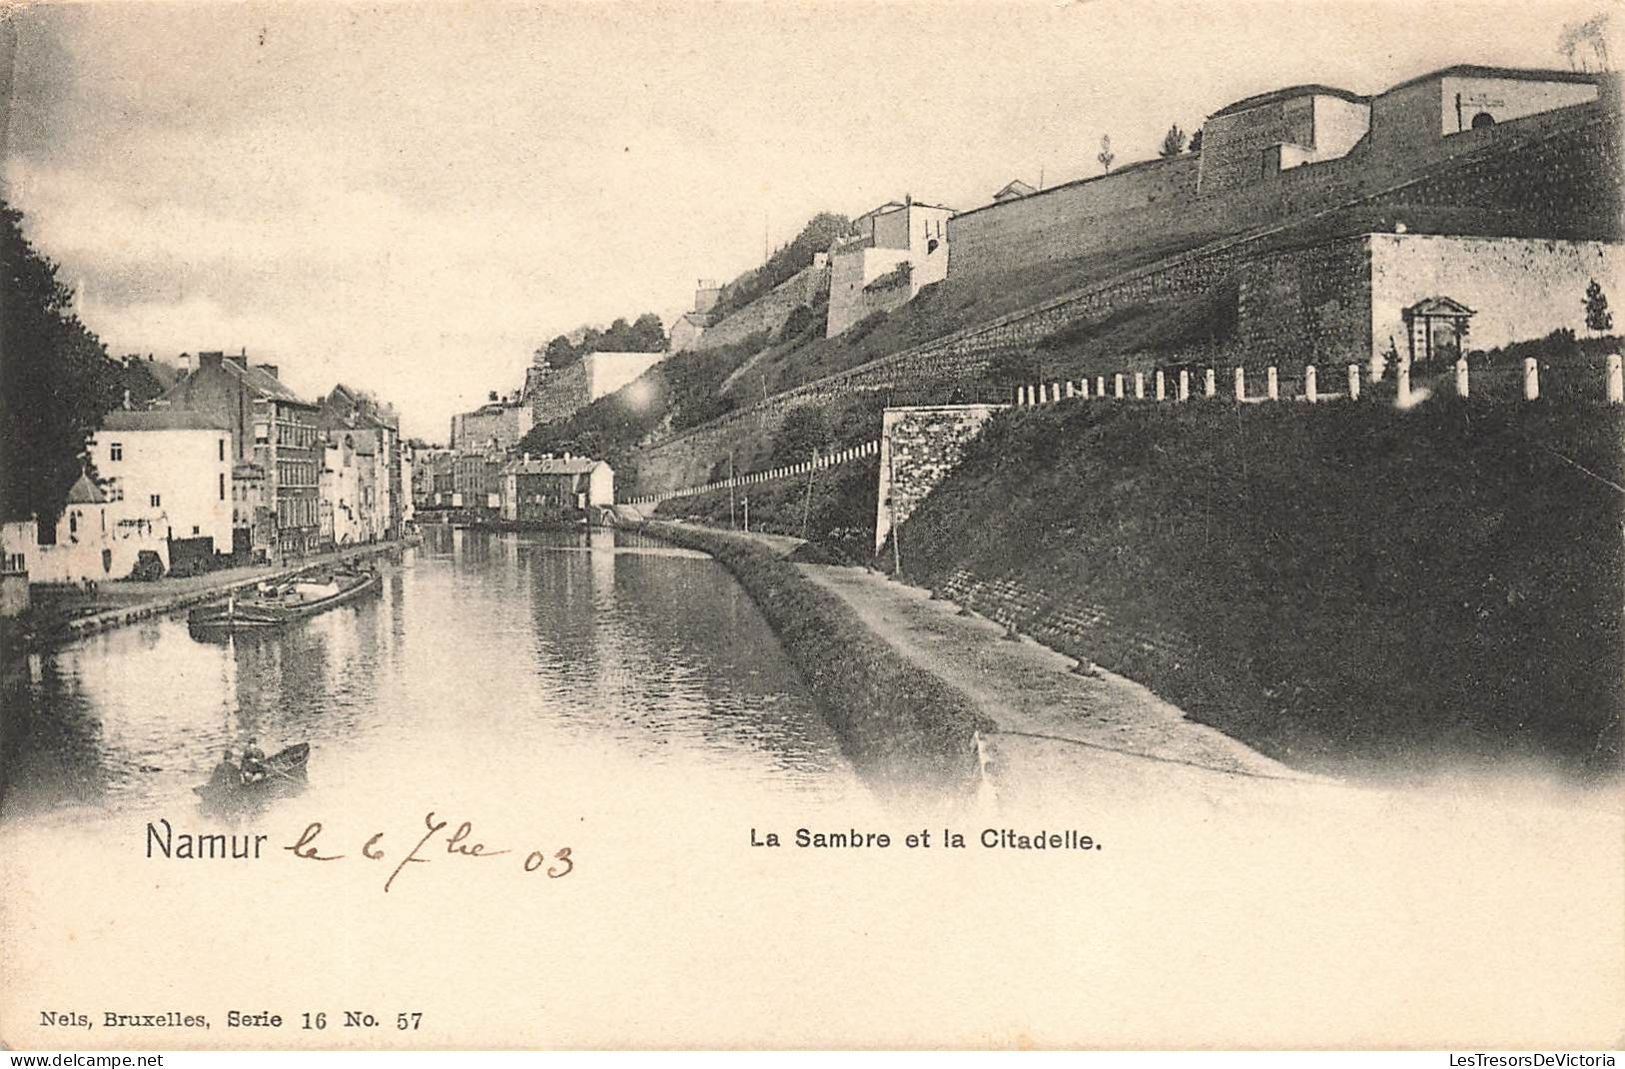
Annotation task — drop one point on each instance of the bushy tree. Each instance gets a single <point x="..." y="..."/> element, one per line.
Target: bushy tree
<point x="805" y="429"/>
<point x="1196" y="142"/>
<point x="1598" y="317"/>
<point x="1106" y="154"/>
<point x="56" y="382"/>
<point x="1173" y="142"/>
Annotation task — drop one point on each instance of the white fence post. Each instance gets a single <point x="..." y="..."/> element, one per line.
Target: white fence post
<point x="1071" y="391"/>
<point x="1054" y="391"/>
<point x="1272" y="385"/>
<point x="1309" y="384"/>
<point x="1083" y="387"/>
<point x="1100" y="386"/>
<point x="1616" y="380"/>
<point x="1184" y="384"/>
<point x="1139" y="386"/>
<point x="1403" y="376"/>
<point x="1161" y="391"/>
<point x="1461" y="377"/>
<point x="1241" y="384"/>
<point x="1210" y="383"/>
<point x="1117" y="385"/>
<point x="1531" y="379"/>
<point x="1354" y="382"/>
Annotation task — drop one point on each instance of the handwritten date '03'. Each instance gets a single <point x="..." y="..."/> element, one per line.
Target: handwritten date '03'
<point x="458" y="844"/>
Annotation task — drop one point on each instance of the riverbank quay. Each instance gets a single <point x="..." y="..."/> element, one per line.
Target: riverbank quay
<point x="901" y="726"/>
<point x="126" y="601"/>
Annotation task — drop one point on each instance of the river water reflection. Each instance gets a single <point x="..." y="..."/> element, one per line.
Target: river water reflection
<point x="532" y="651"/>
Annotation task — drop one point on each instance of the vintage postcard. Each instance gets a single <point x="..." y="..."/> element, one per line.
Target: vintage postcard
<point x="989" y="524"/>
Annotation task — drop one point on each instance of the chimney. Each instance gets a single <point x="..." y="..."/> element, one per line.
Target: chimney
<point x="269" y="369"/>
<point x="492" y="396"/>
<point x="208" y="360"/>
<point x="185" y="363"/>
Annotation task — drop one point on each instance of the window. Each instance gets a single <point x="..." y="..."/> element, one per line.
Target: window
<point x="44" y="533"/>
<point x="262" y="433"/>
<point x="155" y="500"/>
<point x="115" y="451"/>
<point x="194" y="531"/>
<point x="222" y="480"/>
<point x="222" y="449"/>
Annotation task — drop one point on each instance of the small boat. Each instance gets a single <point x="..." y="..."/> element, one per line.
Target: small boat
<point x="273" y="605"/>
<point x="284" y="775"/>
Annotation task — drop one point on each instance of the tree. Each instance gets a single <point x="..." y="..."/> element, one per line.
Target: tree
<point x="56" y="382"/>
<point x="560" y="353"/>
<point x="1585" y="43"/>
<point x="1598" y="317"/>
<point x="1196" y="142"/>
<point x="1106" y="156"/>
<point x="1173" y="142"/>
<point x="804" y="429"/>
<point x="647" y="335"/>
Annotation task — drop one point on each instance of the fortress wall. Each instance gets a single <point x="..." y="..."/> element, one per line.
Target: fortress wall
<point x="769" y="311"/>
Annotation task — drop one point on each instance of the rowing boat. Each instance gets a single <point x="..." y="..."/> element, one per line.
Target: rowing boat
<point x="284" y="774"/>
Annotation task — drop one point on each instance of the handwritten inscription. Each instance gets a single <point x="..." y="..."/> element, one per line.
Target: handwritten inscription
<point x="460" y="843"/>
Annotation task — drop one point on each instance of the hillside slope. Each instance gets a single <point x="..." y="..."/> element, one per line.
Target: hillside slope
<point x="1359" y="590"/>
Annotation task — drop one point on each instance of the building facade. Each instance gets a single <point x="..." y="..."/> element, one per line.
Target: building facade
<point x="894" y="252"/>
<point x="272" y="427"/>
<point x="546" y="488"/>
<point x="171" y="470"/>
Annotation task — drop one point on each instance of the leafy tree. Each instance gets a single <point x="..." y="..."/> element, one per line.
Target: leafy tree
<point x="1598" y="317"/>
<point x="560" y="353"/>
<point x="56" y="382"/>
<point x="647" y="335"/>
<point x="1173" y="142"/>
<point x="1106" y="155"/>
<point x="797" y="323"/>
<point x="804" y="429"/>
<point x="1196" y="142"/>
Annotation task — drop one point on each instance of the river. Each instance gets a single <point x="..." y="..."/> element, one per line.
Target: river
<point x="510" y="654"/>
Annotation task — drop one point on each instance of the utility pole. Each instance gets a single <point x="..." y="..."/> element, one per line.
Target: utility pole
<point x="806" y="509"/>
<point x="747" y="514"/>
<point x="731" y="518"/>
<point x="896" y="523"/>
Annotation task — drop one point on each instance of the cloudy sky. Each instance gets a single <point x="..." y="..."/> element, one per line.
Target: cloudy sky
<point x="411" y="198"/>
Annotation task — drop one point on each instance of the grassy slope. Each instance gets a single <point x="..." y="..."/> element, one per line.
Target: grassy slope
<point x="1355" y="588"/>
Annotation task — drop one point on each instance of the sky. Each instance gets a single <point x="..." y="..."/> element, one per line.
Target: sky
<point x="411" y="198"/>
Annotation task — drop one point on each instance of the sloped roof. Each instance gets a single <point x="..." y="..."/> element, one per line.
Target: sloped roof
<point x="1292" y="92"/>
<point x="264" y="384"/>
<point x="1439" y="306"/>
<point x="162" y="419"/>
<point x="85" y="492"/>
<point x="551" y="466"/>
<point x="1518" y="74"/>
<point x="1015" y="188"/>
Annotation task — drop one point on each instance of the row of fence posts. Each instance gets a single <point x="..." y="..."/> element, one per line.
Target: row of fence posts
<point x="818" y="463"/>
<point x="1048" y="393"/>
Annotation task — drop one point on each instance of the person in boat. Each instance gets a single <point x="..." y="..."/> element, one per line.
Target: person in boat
<point x="253" y="762"/>
<point x="225" y="773"/>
